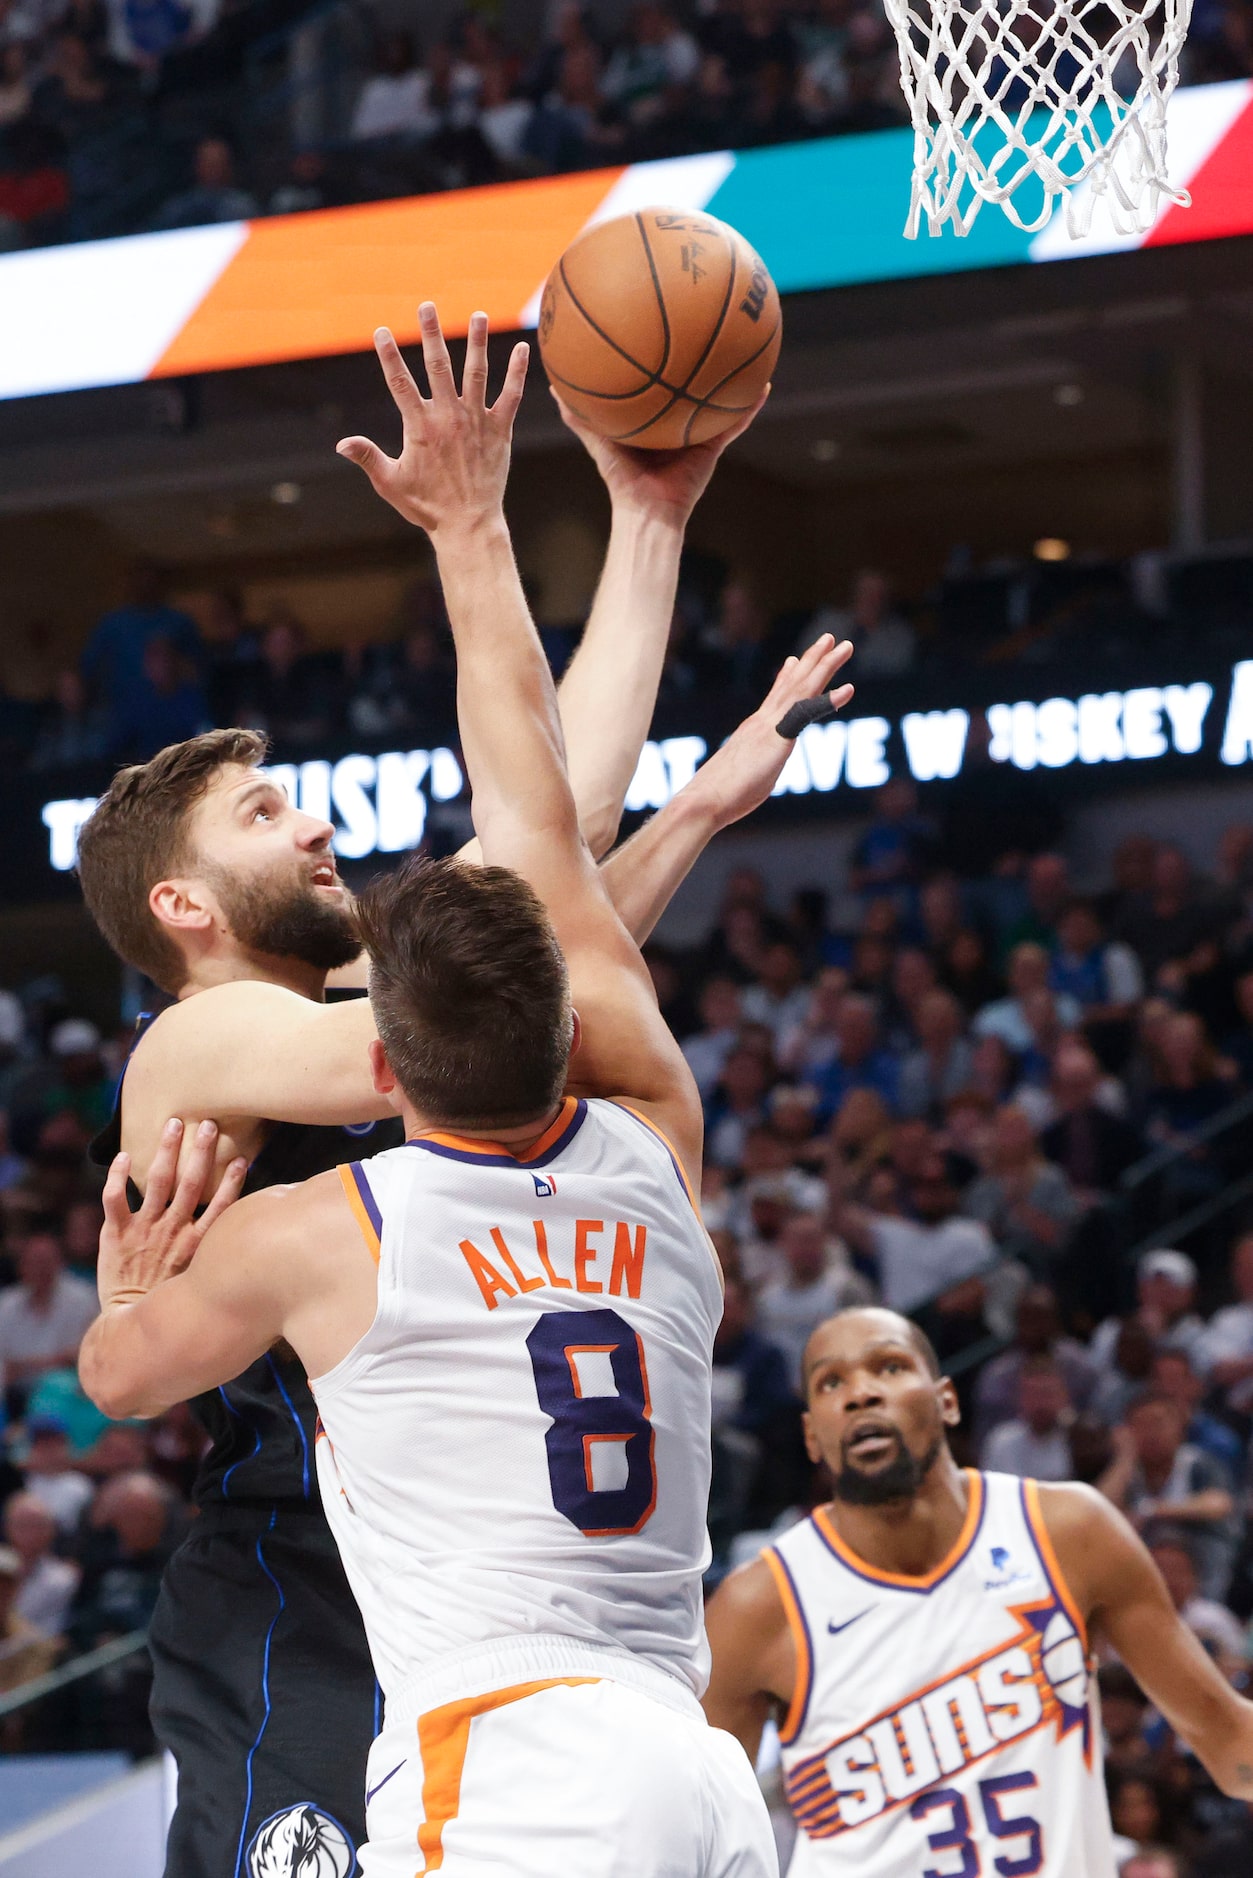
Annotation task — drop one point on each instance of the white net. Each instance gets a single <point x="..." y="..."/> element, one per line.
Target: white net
<point x="1020" y="102"/>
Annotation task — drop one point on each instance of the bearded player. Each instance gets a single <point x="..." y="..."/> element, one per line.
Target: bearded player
<point x="924" y="1638"/>
<point x="508" y="1321"/>
<point x="200" y="871"/>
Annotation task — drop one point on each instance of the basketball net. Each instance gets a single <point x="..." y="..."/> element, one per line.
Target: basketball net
<point x="1039" y="97"/>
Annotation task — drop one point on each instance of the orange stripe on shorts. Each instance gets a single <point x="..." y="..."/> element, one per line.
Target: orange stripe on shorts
<point x="444" y="1737"/>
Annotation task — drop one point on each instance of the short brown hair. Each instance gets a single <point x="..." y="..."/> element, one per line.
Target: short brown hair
<point x="469" y="991"/>
<point x="138" y="835"/>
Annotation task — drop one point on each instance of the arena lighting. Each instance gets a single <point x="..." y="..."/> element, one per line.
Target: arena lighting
<point x="379" y="803"/>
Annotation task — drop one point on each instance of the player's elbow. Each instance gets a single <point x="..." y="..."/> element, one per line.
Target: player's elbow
<point x="106" y="1383"/>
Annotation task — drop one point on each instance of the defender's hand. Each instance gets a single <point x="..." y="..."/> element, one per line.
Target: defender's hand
<point x="140" y="1250"/>
<point x="666" y="484"/>
<point x="454" y="459"/>
<point x="739" y="777"/>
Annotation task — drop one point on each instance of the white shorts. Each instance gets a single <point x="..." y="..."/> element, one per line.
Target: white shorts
<point x="564" y="1779"/>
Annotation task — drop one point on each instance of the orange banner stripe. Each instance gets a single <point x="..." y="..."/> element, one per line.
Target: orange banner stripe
<point x="303" y="286"/>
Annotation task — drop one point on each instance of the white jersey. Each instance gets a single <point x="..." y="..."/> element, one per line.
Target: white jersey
<point x="518" y="1448"/>
<point x="946" y="1723"/>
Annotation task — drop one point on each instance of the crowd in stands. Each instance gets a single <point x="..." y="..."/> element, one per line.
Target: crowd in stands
<point x="150" y="673"/>
<point x="121" y="115"/>
<point x="1010" y="1108"/>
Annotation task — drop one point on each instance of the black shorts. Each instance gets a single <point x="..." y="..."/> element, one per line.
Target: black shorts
<point x="264" y="1692"/>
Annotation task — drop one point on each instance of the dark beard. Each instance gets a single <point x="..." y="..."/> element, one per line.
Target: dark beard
<point x="900" y="1480"/>
<point x="290" y="922"/>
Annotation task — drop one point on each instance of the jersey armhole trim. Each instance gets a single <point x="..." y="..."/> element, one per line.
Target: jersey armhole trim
<point x="669" y="1146"/>
<point x="1034" y="1514"/>
<point x="792" y="1723"/>
<point x="364" y="1205"/>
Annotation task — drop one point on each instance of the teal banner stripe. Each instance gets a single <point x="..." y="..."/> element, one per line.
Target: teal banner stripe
<point x="830" y="214"/>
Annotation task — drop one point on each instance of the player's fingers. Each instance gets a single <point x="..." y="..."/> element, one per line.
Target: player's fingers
<point x="378" y="466"/>
<point x="474" y="372"/>
<point x="116" y="1211"/>
<point x="819" y="674"/>
<point x="229" y="1188"/>
<point x="569" y="418"/>
<point x="160" y="1183"/>
<point x="194" y="1177"/>
<point x="435" y="354"/>
<point x="842" y="695"/>
<point x="506" y="405"/>
<point x="400" y="382"/>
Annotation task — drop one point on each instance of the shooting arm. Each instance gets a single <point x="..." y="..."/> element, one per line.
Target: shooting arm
<point x="644" y="874"/>
<point x="1118" y="1587"/>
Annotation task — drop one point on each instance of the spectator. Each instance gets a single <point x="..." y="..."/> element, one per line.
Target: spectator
<point x="1093" y="1147"/>
<point x="1228" y="1854"/>
<point x="125" y="1553"/>
<point x="75" y="99"/>
<point x="813" y="1043"/>
<point x="1007" y="1018"/>
<point x="736" y="642"/>
<point x="1046" y="896"/>
<point x="143" y="33"/>
<point x="1166" y="1294"/>
<point x="751" y="1384"/>
<point x="74" y="730"/>
<point x="1124" y="1712"/>
<point x="967" y="971"/>
<point x="396" y="100"/>
<point x="860" y="1062"/>
<point x="113" y="658"/>
<point x="1139" y="1809"/>
<point x="47" y="1583"/>
<point x="1037" y="1335"/>
<point x="51" y="1475"/>
<point x="15" y="85"/>
<point x="24" y="1650"/>
<point x="884" y="643"/>
<point x="1174" y="1376"/>
<point x="941" y="1066"/>
<point x="1166" y="924"/>
<point x="1225" y="1350"/>
<point x="167" y="706"/>
<point x="779" y="999"/>
<point x="1238" y="1045"/>
<point x="1104" y="977"/>
<point x="817" y="1283"/>
<point x="1190" y="1092"/>
<point x="1151" y="1861"/>
<point x="43" y="1318"/>
<point x="1210" y="1622"/>
<point x="1035" y="1444"/>
<point x="214" y="195"/>
<point x="892" y="856"/>
<point x="737" y="1105"/>
<point x="288" y="694"/>
<point x="708" y="1048"/>
<point x="1026" y="1203"/>
<point x="654" y="60"/>
<point x="1159" y="1480"/>
<point x="924" y="1256"/>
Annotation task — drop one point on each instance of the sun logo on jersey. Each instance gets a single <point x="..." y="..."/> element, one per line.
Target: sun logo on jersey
<point x="303" y="1842"/>
<point x="1036" y="1680"/>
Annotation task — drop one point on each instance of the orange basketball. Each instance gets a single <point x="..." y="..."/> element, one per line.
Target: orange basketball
<point x="660" y="328"/>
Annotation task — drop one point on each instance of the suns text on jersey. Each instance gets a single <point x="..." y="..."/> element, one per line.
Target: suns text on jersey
<point x="604" y="1257"/>
<point x="1040" y="1677"/>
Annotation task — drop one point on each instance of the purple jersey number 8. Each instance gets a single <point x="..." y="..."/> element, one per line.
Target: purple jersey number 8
<point x="580" y="1421"/>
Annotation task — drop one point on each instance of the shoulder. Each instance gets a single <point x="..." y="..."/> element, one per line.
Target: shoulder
<point x="749" y="1601"/>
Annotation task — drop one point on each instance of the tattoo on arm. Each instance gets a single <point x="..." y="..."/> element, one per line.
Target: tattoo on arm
<point x="1244" y="1773"/>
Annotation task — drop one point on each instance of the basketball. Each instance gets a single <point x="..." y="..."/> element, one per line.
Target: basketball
<point x="660" y="328"/>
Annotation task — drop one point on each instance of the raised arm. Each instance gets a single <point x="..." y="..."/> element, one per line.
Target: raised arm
<point x="450" y="480"/>
<point x="1120" y="1590"/>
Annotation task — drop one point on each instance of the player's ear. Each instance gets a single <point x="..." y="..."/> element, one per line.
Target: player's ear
<point x="185" y="904"/>
<point x="950" y="1407"/>
<point x="576" y="1032"/>
<point x="381" y="1070"/>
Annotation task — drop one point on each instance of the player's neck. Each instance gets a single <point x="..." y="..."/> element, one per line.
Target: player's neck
<point x="908" y="1537"/>
<point x="308" y="981"/>
<point x="518" y="1138"/>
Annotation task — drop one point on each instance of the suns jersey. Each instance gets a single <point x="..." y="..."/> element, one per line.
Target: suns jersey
<point x="519" y="1446"/>
<point x="944" y="1725"/>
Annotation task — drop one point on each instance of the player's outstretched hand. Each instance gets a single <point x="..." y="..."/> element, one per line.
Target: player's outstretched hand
<point x="454" y="459"/>
<point x="740" y="776"/>
<point x="138" y="1251"/>
<point x="665" y="483"/>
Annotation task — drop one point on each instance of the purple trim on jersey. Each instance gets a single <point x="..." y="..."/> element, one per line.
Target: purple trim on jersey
<point x="653" y="1135"/>
<point x="368" y="1200"/>
<point x="914" y="1591"/>
<point x="475" y="1159"/>
<point x="794" y="1734"/>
